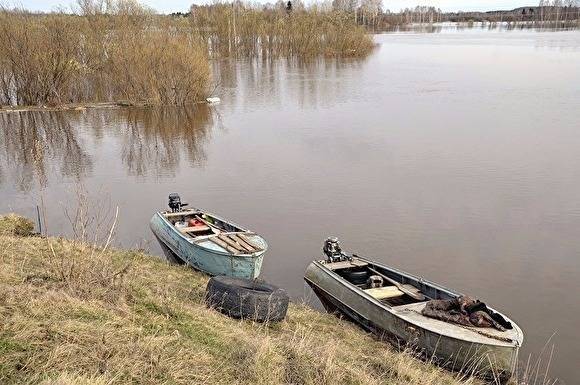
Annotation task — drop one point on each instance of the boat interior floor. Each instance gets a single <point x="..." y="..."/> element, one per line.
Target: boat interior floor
<point x="362" y="274"/>
<point x="359" y="273"/>
<point x="202" y="227"/>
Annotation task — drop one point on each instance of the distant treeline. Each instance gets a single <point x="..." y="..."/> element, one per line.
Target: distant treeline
<point x="371" y="13"/>
<point x="119" y="50"/>
<point x="548" y="14"/>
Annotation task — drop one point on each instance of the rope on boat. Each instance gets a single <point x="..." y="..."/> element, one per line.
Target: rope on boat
<point x="500" y="338"/>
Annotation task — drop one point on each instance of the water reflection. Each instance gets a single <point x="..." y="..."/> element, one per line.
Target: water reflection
<point x="41" y="145"/>
<point x="283" y="82"/>
<point x="157" y="139"/>
<point x="32" y="142"/>
<point x="36" y="146"/>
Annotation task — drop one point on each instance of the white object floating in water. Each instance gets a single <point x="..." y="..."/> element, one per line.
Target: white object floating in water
<point x="213" y="100"/>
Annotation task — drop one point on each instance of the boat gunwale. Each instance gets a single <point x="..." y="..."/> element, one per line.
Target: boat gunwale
<point x="516" y="342"/>
<point x="193" y="242"/>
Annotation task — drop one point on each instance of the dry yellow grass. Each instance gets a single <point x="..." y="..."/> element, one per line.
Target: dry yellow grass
<point x="12" y="224"/>
<point x="73" y="314"/>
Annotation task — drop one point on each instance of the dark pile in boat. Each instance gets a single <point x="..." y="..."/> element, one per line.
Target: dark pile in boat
<point x="466" y="311"/>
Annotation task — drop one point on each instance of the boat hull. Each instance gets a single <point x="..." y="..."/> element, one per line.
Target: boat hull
<point x="497" y="361"/>
<point x="207" y="261"/>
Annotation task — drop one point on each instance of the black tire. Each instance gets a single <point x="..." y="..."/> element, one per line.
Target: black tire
<point x="357" y="277"/>
<point x="247" y="299"/>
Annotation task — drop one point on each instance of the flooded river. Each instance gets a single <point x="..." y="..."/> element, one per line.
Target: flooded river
<point x="453" y="155"/>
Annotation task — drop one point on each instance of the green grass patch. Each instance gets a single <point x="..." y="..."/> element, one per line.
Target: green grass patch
<point x="8" y="345"/>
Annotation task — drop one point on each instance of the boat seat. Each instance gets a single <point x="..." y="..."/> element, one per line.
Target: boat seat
<point x="344" y="264"/>
<point x="194" y="229"/>
<point x="386" y="292"/>
<point x="179" y="214"/>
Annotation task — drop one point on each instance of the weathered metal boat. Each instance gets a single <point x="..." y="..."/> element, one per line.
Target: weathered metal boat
<point x="343" y="283"/>
<point x="207" y="242"/>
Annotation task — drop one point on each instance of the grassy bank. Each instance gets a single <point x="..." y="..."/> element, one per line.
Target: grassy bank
<point x="73" y="314"/>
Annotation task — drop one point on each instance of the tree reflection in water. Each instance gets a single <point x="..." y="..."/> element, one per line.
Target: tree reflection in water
<point x="33" y="142"/>
<point x="157" y="138"/>
<point x="287" y="83"/>
<point x="36" y="147"/>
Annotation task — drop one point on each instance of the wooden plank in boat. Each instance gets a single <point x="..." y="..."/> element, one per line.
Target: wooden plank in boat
<point x="244" y="244"/>
<point x="345" y="264"/>
<point x="223" y="245"/>
<point x="209" y="224"/>
<point x="386" y="292"/>
<point x="232" y="243"/>
<point x="179" y="214"/>
<point x="249" y="241"/>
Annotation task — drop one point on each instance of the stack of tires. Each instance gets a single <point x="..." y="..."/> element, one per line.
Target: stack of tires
<point x="247" y="299"/>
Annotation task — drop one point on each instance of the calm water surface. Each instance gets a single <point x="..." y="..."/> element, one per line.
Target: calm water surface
<point x="454" y="155"/>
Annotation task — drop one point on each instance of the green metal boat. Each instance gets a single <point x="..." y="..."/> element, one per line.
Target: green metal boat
<point x="207" y="242"/>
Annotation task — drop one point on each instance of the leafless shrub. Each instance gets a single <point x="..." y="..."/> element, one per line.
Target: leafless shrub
<point x="109" y="53"/>
<point x="92" y="221"/>
<point x="119" y="50"/>
<point x="238" y="29"/>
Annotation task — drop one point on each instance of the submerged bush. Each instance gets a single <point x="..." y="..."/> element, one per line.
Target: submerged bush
<point x="123" y="52"/>
<point x="238" y="29"/>
<point x="161" y="67"/>
<point x="118" y="50"/>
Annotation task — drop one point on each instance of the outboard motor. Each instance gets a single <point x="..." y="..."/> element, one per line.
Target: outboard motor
<point x="175" y="203"/>
<point x="333" y="251"/>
